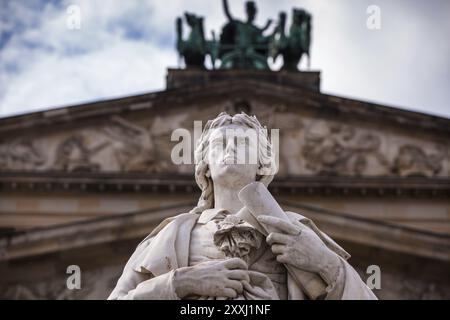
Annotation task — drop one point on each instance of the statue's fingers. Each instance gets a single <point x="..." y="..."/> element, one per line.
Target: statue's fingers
<point x="240" y="275"/>
<point x="235" y="263"/>
<point x="278" y="249"/>
<point x="282" y="258"/>
<point x="275" y="237"/>
<point x="280" y="224"/>
<point x="229" y="293"/>
<point x="299" y="224"/>
<point x="236" y="285"/>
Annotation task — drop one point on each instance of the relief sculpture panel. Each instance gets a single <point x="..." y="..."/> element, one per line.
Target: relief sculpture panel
<point x="20" y="154"/>
<point x="133" y="146"/>
<point x="338" y="149"/>
<point x="411" y="160"/>
<point x="308" y="146"/>
<point x="73" y="154"/>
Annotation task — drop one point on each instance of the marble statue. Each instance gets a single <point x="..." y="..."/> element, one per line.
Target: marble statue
<point x="237" y="243"/>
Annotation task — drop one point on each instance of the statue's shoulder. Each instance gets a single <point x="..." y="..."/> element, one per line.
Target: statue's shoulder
<point x="178" y="219"/>
<point x="161" y="239"/>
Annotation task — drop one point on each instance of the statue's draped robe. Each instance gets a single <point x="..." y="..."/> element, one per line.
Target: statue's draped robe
<point x="148" y="273"/>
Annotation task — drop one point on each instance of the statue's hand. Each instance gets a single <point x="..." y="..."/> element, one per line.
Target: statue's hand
<point x="211" y="278"/>
<point x="299" y="246"/>
<point x="268" y="24"/>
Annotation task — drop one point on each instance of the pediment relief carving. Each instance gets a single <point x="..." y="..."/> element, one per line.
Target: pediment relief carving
<point x="20" y="154"/>
<point x="308" y="146"/>
<point x="74" y="155"/>
<point x="332" y="148"/>
<point x="319" y="147"/>
<point x="411" y="160"/>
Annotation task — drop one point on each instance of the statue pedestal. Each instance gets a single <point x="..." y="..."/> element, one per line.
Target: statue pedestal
<point x="177" y="78"/>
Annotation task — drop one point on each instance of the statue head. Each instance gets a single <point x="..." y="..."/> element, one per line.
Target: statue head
<point x="298" y="16"/>
<point x="250" y="8"/>
<point x="282" y="17"/>
<point x="193" y="20"/>
<point x="232" y="150"/>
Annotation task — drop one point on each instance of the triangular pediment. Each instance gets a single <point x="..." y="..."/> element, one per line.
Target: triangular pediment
<point x="334" y="152"/>
<point x="319" y="134"/>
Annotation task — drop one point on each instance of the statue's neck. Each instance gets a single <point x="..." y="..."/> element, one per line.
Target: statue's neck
<point x="226" y="197"/>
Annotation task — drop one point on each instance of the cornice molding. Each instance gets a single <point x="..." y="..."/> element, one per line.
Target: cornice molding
<point x="85" y="233"/>
<point x="180" y="97"/>
<point x="376" y="233"/>
<point x="137" y="225"/>
<point x="182" y="183"/>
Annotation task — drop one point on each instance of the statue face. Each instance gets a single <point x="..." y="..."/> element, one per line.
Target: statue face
<point x="233" y="155"/>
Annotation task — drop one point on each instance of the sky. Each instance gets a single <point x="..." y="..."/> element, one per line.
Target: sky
<point x="60" y="53"/>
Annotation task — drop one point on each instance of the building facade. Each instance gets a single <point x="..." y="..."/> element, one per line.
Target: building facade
<point x="83" y="185"/>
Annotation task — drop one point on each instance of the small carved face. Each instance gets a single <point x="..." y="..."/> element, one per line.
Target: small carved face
<point x="233" y="155"/>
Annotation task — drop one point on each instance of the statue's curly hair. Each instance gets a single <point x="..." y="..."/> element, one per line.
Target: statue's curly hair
<point x="266" y="156"/>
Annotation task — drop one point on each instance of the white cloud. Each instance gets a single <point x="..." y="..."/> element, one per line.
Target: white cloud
<point x="124" y="47"/>
<point x="105" y="62"/>
<point x="127" y="70"/>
